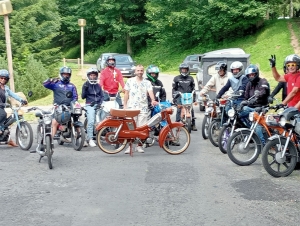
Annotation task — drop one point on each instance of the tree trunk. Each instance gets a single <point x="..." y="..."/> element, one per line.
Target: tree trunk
<point x="128" y="41"/>
<point x="291" y="9"/>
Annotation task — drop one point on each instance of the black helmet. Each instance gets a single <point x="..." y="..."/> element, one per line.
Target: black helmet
<point x="92" y="71"/>
<point x="65" y="70"/>
<point x="4" y="73"/>
<point x="110" y="64"/>
<point x="152" y="69"/>
<point x="62" y="116"/>
<point x="252" y="69"/>
<point x="183" y="65"/>
<point x="292" y="58"/>
<point x="221" y="65"/>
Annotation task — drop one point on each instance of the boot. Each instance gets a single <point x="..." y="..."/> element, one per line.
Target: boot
<point x="194" y="128"/>
<point x="12" y="143"/>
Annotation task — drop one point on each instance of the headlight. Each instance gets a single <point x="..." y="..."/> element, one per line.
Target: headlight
<point x="133" y="68"/>
<point x="77" y="111"/>
<point x="251" y="114"/>
<point x="218" y="110"/>
<point x="282" y="121"/>
<point x="231" y="113"/>
<point x="210" y="103"/>
<point x="47" y="120"/>
<point x="208" y="109"/>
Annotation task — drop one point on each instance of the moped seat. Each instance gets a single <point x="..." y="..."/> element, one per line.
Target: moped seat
<point x="122" y="113"/>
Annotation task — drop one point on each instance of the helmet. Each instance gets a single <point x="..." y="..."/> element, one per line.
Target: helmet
<point x="64" y="70"/>
<point x="4" y="73"/>
<point x="252" y="69"/>
<point x="152" y="69"/>
<point x="183" y="65"/>
<point x="62" y="116"/>
<point x="289" y="113"/>
<point x="237" y="65"/>
<point x="110" y="64"/>
<point x="92" y="71"/>
<point x="221" y="65"/>
<point x="292" y="58"/>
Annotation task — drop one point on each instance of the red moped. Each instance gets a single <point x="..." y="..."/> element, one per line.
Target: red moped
<point x="118" y="129"/>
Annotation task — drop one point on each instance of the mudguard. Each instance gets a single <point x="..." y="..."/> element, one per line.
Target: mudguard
<point x="275" y="136"/>
<point x="108" y="123"/>
<point x="164" y="131"/>
<point x="242" y="129"/>
<point x="78" y="124"/>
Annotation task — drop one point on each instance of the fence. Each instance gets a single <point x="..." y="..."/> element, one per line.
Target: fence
<point x="72" y="61"/>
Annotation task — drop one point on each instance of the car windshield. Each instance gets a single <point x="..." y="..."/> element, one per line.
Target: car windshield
<point x="123" y="59"/>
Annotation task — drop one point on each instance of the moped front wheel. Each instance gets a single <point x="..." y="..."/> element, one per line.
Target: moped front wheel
<point x="205" y="125"/>
<point x="49" y="152"/>
<point x="274" y="163"/>
<point x="107" y="143"/>
<point x="189" y="124"/>
<point x="24" y="136"/>
<point x="214" y="131"/>
<point x="177" y="141"/>
<point x="78" y="138"/>
<point x="238" y="153"/>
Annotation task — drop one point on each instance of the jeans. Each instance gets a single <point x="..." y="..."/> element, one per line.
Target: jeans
<point x="118" y="98"/>
<point x="3" y="117"/>
<point x="259" y="132"/>
<point x="90" y="113"/>
<point x="244" y="115"/>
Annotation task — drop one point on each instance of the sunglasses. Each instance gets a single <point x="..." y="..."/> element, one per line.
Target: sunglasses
<point x="3" y="78"/>
<point x="291" y="65"/>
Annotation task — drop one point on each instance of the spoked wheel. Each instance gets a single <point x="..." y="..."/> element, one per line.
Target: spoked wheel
<point x="238" y="153"/>
<point x="107" y="143"/>
<point x="214" y="131"/>
<point x="274" y="163"/>
<point x="49" y="152"/>
<point x="205" y="125"/>
<point x="223" y="138"/>
<point x="177" y="141"/>
<point x="78" y="138"/>
<point x="24" y="136"/>
<point x="189" y="124"/>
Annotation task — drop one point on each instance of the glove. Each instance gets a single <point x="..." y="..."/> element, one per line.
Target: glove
<point x="270" y="100"/>
<point x="244" y="103"/>
<point x="54" y="80"/>
<point x="272" y="61"/>
<point x="24" y="102"/>
<point x="252" y="101"/>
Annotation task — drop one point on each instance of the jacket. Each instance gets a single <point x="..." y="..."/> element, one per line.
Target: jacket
<point x="93" y="93"/>
<point x="60" y="90"/>
<point x="110" y="79"/>
<point x="236" y="85"/>
<point x="263" y="87"/>
<point x="218" y="82"/>
<point x="9" y="93"/>
<point x="183" y="84"/>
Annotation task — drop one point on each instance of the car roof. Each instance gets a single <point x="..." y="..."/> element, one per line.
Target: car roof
<point x="246" y="55"/>
<point x="227" y="51"/>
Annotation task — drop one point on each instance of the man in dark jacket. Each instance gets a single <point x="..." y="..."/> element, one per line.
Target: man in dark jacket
<point x="184" y="83"/>
<point x="92" y="93"/>
<point x="152" y="73"/>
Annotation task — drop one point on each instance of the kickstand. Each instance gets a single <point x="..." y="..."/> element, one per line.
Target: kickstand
<point x="131" y="152"/>
<point x="40" y="158"/>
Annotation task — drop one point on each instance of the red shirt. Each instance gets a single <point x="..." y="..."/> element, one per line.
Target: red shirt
<point x="293" y="80"/>
<point x="110" y="79"/>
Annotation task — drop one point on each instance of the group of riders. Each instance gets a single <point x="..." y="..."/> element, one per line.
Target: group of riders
<point x="96" y="90"/>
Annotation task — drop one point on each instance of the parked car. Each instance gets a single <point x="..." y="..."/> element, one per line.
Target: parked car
<point x="193" y="61"/>
<point x="124" y="63"/>
<point x="209" y="61"/>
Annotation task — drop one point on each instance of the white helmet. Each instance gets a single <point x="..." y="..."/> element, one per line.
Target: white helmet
<point x="237" y="65"/>
<point x="92" y="71"/>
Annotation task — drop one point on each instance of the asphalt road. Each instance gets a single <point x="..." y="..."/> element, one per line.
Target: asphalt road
<point x="199" y="187"/>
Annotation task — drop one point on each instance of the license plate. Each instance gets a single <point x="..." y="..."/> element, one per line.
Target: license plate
<point x="125" y="71"/>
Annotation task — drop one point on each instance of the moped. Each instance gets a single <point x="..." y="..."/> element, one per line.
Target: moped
<point x="118" y="129"/>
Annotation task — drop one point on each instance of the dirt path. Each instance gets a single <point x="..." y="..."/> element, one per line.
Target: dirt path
<point x="294" y="40"/>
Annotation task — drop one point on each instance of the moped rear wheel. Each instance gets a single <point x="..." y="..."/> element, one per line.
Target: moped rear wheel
<point x="24" y="136"/>
<point x="238" y="153"/>
<point x="214" y="131"/>
<point x="106" y="141"/>
<point x="177" y="141"/>
<point x="205" y="125"/>
<point x="78" y="138"/>
<point x="49" y="152"/>
<point x="273" y="162"/>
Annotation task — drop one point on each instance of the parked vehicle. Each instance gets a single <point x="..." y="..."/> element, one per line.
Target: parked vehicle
<point x="193" y="61"/>
<point x="124" y="63"/>
<point x="120" y="128"/>
<point x="24" y="134"/>
<point x="281" y="153"/>
<point x="44" y="133"/>
<point x="244" y="146"/>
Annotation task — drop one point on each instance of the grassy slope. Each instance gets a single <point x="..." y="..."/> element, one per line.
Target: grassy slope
<point x="273" y="38"/>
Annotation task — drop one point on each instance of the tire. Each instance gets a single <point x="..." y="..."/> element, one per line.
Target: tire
<point x="223" y="138"/>
<point x="240" y="155"/>
<point x="179" y="136"/>
<point x="213" y="132"/>
<point x="60" y="142"/>
<point x="85" y="125"/>
<point x="205" y="125"/>
<point x="78" y="139"/>
<point x="24" y="136"/>
<point x="105" y="143"/>
<point x="201" y="107"/>
<point x="189" y="124"/>
<point x="49" y="152"/>
<point x="271" y="160"/>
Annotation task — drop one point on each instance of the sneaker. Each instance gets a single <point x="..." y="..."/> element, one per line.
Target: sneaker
<point x="92" y="143"/>
<point x="65" y="140"/>
<point x="85" y="144"/>
<point x="139" y="149"/>
<point x="174" y="143"/>
<point x="127" y="150"/>
<point x="194" y="128"/>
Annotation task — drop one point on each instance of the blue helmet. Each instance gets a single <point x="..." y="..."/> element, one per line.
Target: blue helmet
<point x="65" y="70"/>
<point x="4" y="73"/>
<point x="250" y="70"/>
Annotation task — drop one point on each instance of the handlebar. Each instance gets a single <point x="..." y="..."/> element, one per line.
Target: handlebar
<point x="41" y="110"/>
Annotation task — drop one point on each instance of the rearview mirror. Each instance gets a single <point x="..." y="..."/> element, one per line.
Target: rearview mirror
<point x="30" y="93"/>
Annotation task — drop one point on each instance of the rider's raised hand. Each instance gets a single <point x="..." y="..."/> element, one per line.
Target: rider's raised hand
<point x="272" y="61"/>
